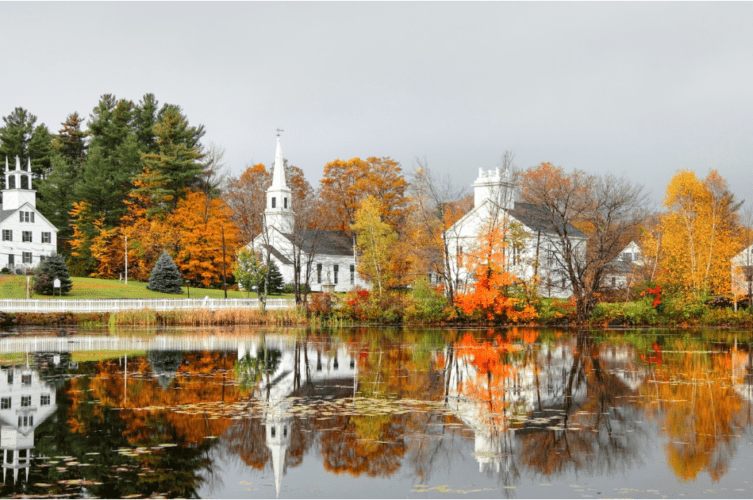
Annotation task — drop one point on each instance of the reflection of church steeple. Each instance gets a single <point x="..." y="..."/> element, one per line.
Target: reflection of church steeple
<point x="25" y="402"/>
<point x="277" y="423"/>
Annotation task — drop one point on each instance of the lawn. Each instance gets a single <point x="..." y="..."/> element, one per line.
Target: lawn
<point x="14" y="287"/>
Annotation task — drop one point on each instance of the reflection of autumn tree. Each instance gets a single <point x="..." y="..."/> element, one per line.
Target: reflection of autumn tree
<point x="344" y="450"/>
<point x="597" y="430"/>
<point x="691" y="395"/>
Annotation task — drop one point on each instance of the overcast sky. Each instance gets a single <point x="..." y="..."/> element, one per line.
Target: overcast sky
<point x="640" y="89"/>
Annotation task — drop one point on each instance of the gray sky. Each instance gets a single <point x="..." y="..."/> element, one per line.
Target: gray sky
<point x="640" y="89"/>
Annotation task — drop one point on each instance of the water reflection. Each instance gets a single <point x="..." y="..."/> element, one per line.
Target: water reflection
<point x="523" y="405"/>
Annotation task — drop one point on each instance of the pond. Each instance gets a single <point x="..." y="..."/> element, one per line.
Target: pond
<point x="376" y="413"/>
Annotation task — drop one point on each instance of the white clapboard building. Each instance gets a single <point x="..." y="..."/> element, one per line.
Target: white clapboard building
<point x="26" y="236"/>
<point x="331" y="253"/>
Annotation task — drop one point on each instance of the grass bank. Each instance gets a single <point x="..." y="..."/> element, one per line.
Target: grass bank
<point x="14" y="287"/>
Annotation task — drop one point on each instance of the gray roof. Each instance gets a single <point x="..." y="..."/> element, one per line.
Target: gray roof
<point x="325" y="242"/>
<point x="539" y="218"/>
<point x="4" y="214"/>
<point x="278" y="255"/>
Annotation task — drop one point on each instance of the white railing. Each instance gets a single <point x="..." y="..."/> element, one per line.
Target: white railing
<point x="115" y="305"/>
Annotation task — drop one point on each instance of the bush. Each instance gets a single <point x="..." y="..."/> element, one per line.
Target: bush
<point x="165" y="276"/>
<point x="53" y="267"/>
<point x="290" y="288"/>
<point x="5" y="270"/>
<point x="426" y="303"/>
<point x="320" y="304"/>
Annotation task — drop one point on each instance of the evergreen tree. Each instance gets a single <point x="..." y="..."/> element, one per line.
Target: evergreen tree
<point x="53" y="267"/>
<point x="178" y="161"/>
<point x="71" y="141"/>
<point x="144" y="120"/>
<point x="56" y="197"/>
<point x="40" y="152"/>
<point x="165" y="276"/>
<point x="274" y="286"/>
<point x="15" y="135"/>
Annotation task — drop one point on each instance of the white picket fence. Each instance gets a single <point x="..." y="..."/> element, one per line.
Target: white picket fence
<point x="115" y="305"/>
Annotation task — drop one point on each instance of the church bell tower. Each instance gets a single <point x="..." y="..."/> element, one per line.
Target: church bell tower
<point x="279" y="213"/>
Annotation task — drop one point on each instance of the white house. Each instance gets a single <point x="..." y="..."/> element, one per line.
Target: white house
<point x="742" y="272"/>
<point x="622" y="269"/>
<point x="531" y="226"/>
<point x="26" y="236"/>
<point x="331" y="253"/>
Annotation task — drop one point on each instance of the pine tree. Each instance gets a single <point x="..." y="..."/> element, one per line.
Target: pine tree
<point x="274" y="286"/>
<point x="15" y="135"/>
<point x="53" y="267"/>
<point x="71" y="141"/>
<point x="165" y="276"/>
<point x="40" y="152"/>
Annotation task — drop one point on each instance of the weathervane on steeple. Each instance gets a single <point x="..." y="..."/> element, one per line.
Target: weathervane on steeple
<point x="278" y="131"/>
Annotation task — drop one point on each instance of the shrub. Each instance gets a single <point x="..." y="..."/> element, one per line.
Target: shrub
<point x="320" y="304"/>
<point x="290" y="288"/>
<point x="53" y="267"/>
<point x="426" y="303"/>
<point x="5" y="270"/>
<point x="165" y="276"/>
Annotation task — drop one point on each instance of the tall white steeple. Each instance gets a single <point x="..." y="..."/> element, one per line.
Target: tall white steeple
<point x="279" y="213"/>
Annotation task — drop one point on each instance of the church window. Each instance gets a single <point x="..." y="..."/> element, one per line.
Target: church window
<point x="7" y="235"/>
<point x="285" y="202"/>
<point x="318" y="273"/>
<point x="12" y="182"/>
<point x="44" y="400"/>
<point x="11" y="259"/>
<point x="352" y="274"/>
<point x="336" y="269"/>
<point x="26" y="379"/>
<point x="26" y="216"/>
<point x="274" y="202"/>
<point x="4" y="403"/>
<point x="46" y="237"/>
<point x="10" y="376"/>
<point x="26" y="236"/>
<point x="27" y="257"/>
<point x="25" y="400"/>
<point x="31" y="420"/>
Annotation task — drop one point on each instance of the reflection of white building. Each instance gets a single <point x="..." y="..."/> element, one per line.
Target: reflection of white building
<point x="25" y="402"/>
<point x="333" y="367"/>
<point x="539" y="383"/>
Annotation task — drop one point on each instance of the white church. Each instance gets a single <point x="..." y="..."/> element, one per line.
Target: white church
<point x="26" y="236"/>
<point x="495" y="199"/>
<point x="331" y="253"/>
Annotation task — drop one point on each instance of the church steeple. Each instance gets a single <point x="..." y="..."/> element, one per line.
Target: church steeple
<point x="279" y="213"/>
<point x="14" y="194"/>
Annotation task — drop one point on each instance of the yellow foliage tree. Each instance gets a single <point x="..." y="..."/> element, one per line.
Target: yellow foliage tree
<point x="699" y="233"/>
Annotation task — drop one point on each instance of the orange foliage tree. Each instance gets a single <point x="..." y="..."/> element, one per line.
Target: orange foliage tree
<point x="347" y="182"/>
<point x="486" y="262"/>
<point x="206" y="236"/>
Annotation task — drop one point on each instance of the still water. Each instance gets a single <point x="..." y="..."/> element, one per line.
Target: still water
<point x="376" y="413"/>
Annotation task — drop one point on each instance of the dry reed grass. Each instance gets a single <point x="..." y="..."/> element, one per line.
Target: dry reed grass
<point x="207" y="317"/>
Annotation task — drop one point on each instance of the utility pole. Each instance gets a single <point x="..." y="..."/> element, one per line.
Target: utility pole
<point x="224" y="282"/>
<point x="126" y="259"/>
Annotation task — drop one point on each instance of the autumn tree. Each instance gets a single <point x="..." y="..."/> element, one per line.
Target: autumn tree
<point x="375" y="240"/>
<point x="699" y="233"/>
<point x="590" y="218"/>
<point x="246" y="197"/>
<point x="346" y="183"/>
<point x="207" y="239"/>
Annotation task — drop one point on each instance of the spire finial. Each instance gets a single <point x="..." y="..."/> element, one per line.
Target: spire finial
<point x="18" y="163"/>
